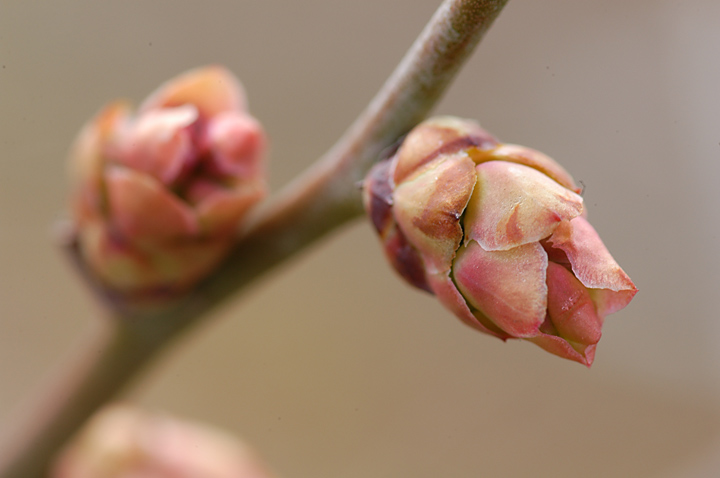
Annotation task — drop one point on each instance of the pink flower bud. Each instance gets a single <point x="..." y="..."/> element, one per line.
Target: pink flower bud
<point x="159" y="194"/>
<point x="498" y="233"/>
<point x="121" y="442"/>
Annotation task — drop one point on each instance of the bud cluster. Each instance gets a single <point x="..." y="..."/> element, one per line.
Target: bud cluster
<point x="498" y="233"/>
<point x="158" y="194"/>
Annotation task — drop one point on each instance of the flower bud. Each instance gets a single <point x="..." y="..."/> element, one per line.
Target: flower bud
<point x="157" y="195"/>
<point x="122" y="442"/>
<point x="498" y="233"/>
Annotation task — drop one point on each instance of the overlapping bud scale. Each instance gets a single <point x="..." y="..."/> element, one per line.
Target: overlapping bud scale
<point x="498" y="233"/>
<point x="158" y="194"/>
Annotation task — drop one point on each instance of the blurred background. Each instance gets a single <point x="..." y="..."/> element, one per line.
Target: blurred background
<point x="333" y="367"/>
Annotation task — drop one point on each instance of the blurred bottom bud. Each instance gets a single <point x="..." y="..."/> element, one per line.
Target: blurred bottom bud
<point x="123" y="442"/>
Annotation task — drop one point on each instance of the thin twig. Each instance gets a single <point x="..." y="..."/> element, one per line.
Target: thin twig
<point x="320" y="200"/>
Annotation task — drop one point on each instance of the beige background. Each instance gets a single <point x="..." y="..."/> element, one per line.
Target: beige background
<point x="334" y="368"/>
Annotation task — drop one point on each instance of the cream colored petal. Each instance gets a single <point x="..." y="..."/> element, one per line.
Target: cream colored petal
<point x="220" y="209"/>
<point x="143" y="210"/>
<point x="513" y="205"/>
<point x="428" y="209"/>
<point x="180" y="264"/>
<point x="436" y="136"/>
<point x="507" y="286"/>
<point x="513" y="153"/>
<point x="89" y="154"/>
<point x="116" y="262"/>
<point x="211" y="89"/>
<point x="145" y="269"/>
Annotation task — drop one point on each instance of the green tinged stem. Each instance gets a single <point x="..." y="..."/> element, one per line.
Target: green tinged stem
<point x="323" y="198"/>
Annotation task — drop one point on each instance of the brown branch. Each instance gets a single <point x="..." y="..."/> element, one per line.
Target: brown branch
<point x="320" y="200"/>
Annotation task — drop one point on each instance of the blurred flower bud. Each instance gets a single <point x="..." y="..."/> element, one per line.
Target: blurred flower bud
<point x="498" y="233"/>
<point x="157" y="195"/>
<point x="121" y="442"/>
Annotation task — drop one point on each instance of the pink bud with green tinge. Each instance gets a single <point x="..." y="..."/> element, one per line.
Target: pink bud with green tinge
<point x="158" y="194"/>
<point x="498" y="233"/>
